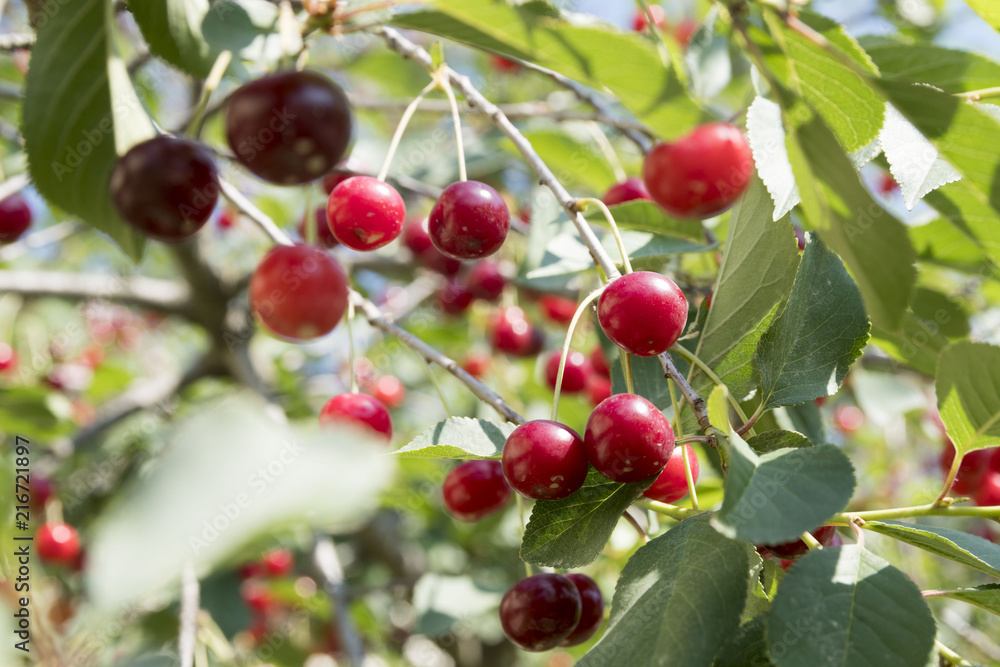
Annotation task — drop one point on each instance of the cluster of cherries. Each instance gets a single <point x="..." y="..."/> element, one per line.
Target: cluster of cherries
<point x="256" y="593"/>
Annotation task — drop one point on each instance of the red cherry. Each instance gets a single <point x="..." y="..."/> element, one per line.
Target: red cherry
<point x="299" y="292"/>
<point x="278" y="562"/>
<point x="544" y="460"/>
<point x="514" y="334"/>
<point x="257" y="595"/>
<point x="599" y="362"/>
<point x="469" y="221"/>
<point x="628" y="439"/>
<point x="290" y="127"/>
<point x="365" y="213"/>
<point x="702" y="174"/>
<point x="639" y="20"/>
<point x="486" y="281"/>
<point x="92" y="355"/>
<point x="592" y="609"/>
<point x="418" y="240"/>
<point x="630" y="189"/>
<point x="475" y="489"/>
<point x="988" y="493"/>
<point x="502" y="64"/>
<point x="974" y="467"/>
<point x="15" y="218"/>
<point x="796" y="548"/>
<point x="455" y="298"/>
<point x="539" y="612"/>
<point x="644" y="313"/>
<point x="357" y="409"/>
<point x="390" y="391"/>
<point x="40" y="489"/>
<point x="57" y="543"/>
<point x="226" y="219"/>
<point x="8" y="358"/>
<point x="324" y="235"/>
<point x="848" y="418"/>
<point x="558" y="309"/>
<point x="800" y="238"/>
<point x="598" y="389"/>
<point x="338" y="176"/>
<point x="671" y="485"/>
<point x="165" y="187"/>
<point x="477" y="364"/>
<point x="887" y="185"/>
<point x="574" y="374"/>
<point x="684" y="31"/>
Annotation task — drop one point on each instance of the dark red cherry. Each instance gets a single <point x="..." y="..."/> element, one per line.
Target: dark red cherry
<point x="469" y="221"/>
<point x="475" y="489"/>
<point x="514" y="334"/>
<point x="298" y="292"/>
<point x="165" y="187"/>
<point x="796" y="548"/>
<point x="486" y="281"/>
<point x="454" y="298"/>
<point x="41" y="489"/>
<point x="389" y="391"/>
<point x="57" y="543"/>
<point x="591" y="612"/>
<point x="418" y="240"/>
<point x="539" y="612"/>
<point x="630" y="189"/>
<point x="290" y="127"/>
<point x="643" y="313"/>
<point x="278" y="562"/>
<point x="800" y="237"/>
<point x="628" y="439"/>
<point x="671" y="484"/>
<point x="558" y="309"/>
<point x="357" y="409"/>
<point x="15" y="218"/>
<point x="639" y="20"/>
<point x="365" y="213"/>
<point x="598" y="389"/>
<point x="544" y="460"/>
<point x="575" y="373"/>
<point x="324" y="236"/>
<point x="974" y="467"/>
<point x="702" y="174"/>
<point x="599" y="362"/>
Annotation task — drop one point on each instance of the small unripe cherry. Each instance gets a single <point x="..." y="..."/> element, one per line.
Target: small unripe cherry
<point x="591" y="612"/>
<point x="671" y="484"/>
<point x="631" y="189"/>
<point x="475" y="489"/>
<point x="365" y="213"/>
<point x="643" y="313"/>
<point x="544" y="460"/>
<point x="575" y="373"/>
<point x="539" y="612"/>
<point x="628" y="439"/>
<point x="57" y="543"/>
<point x="359" y="410"/>
<point x="470" y="220"/>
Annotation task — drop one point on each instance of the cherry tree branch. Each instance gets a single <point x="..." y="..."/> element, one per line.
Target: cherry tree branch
<point x="331" y="573"/>
<point x="696" y="402"/>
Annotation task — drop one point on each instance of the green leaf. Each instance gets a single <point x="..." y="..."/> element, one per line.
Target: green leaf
<point x="580" y="160"/>
<point x="774" y="498"/>
<point x="770" y="441"/>
<point x="874" y="245"/>
<point x="592" y="55"/>
<point x="970" y="550"/>
<point x="459" y="438"/>
<point x="68" y="124"/>
<point x="917" y="344"/>
<point x="766" y="134"/>
<point x="942" y="311"/>
<point x="717" y="405"/>
<point x="950" y="70"/>
<point x="748" y="647"/>
<point x="846" y="606"/>
<point x="988" y="10"/>
<point x="230" y="475"/>
<point x="986" y="597"/>
<point x="968" y="394"/>
<point x="645" y="216"/>
<point x="29" y="411"/>
<point x="945" y="244"/>
<point x="914" y="162"/>
<point x="648" y="380"/>
<point x="757" y="602"/>
<point x="805" y="419"/>
<point x="841" y="96"/>
<point x="677" y="600"/>
<point x="441" y="602"/>
<point x="172" y="29"/>
<point x="709" y="65"/>
<point x="964" y="208"/>
<point x="758" y="268"/>
<point x="809" y="347"/>
<point x="572" y="532"/>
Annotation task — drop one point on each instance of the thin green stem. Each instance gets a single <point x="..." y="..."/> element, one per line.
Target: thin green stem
<point x="565" y="350"/>
<point x="403" y="122"/>
<point x="950" y="479"/>
<point x="693" y="359"/>
<point x="211" y="83"/>
<point x="609" y="151"/>
<point x="614" y="228"/>
<point x="460" y="146"/>
<point x="673" y="511"/>
<point x="683" y="444"/>
<point x="626" y="369"/>
<point x="986" y="512"/>
<point x="951" y="656"/>
<point x="651" y="24"/>
<point x="749" y="424"/>
<point x="350" y="346"/>
<point x="984" y="94"/>
<point x="811" y="541"/>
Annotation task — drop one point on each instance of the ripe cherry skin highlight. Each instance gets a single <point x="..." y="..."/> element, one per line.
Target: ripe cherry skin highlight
<point x="469" y="221"/>
<point x="298" y="292"/>
<point x="364" y="213"/>
<point x="165" y="187"/>
<point x="592" y="609"/>
<point x="15" y="218"/>
<point x="544" y="460"/>
<point x="643" y="313"/>
<point x="475" y="489"/>
<point x="359" y="409"/>
<point x="702" y="174"/>
<point x="291" y="127"/>
<point x="57" y="543"/>
<point x="539" y="612"/>
<point x="628" y="439"/>
<point x="671" y="484"/>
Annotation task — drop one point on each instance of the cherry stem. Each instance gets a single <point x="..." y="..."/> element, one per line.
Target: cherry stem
<point x="950" y="479"/>
<point x="651" y="25"/>
<point x="811" y="541"/>
<point x="635" y="524"/>
<point x="682" y="441"/>
<point x="609" y="152"/>
<point x="614" y="227"/>
<point x="565" y="350"/>
<point x="403" y="122"/>
<point x="696" y="402"/>
<point x="673" y="511"/>
<point x="693" y="358"/>
<point x="626" y="370"/>
<point x="459" y="144"/>
<point x="247" y="208"/>
<point x="976" y="95"/>
<point x="211" y="83"/>
<point x="749" y="424"/>
<point x="949" y="508"/>
<point x="949" y="655"/>
<point x="350" y="346"/>
<point x="689" y="477"/>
